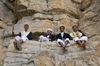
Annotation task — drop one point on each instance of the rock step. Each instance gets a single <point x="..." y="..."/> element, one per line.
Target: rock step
<point x="21" y="59"/>
<point x="33" y="50"/>
<point x="35" y="46"/>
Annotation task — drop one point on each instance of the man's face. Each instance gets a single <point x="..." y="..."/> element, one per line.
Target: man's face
<point x="75" y="29"/>
<point x="62" y="29"/>
<point x="49" y="32"/>
<point x="26" y="28"/>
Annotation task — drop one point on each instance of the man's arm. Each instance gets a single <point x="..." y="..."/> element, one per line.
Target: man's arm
<point x="20" y="34"/>
<point x="52" y="38"/>
<point x="30" y="36"/>
<point x="70" y="37"/>
<point x="58" y="36"/>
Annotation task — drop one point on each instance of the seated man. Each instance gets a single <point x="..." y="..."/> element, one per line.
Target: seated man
<point x="78" y="36"/>
<point x="23" y="36"/>
<point x="48" y="37"/>
<point x="63" y="39"/>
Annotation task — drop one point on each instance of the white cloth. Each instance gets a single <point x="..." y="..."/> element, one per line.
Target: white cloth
<point x="48" y="36"/>
<point x="24" y="38"/>
<point x="82" y="38"/>
<point x="23" y="33"/>
<point x="62" y="34"/>
<point x="59" y="40"/>
<point x="50" y="29"/>
<point x="71" y="34"/>
<point x="42" y="38"/>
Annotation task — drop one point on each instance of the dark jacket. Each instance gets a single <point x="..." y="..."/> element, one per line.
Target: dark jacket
<point x="66" y="35"/>
<point x="52" y="37"/>
<point x="29" y="36"/>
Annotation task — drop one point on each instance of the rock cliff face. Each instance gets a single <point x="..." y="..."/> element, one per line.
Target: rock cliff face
<point x="44" y="14"/>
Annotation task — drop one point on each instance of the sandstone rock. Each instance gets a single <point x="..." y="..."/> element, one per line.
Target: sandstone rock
<point x="8" y="31"/>
<point x="42" y="16"/>
<point x="9" y="3"/>
<point x="1" y="41"/>
<point x="45" y="23"/>
<point x="77" y="1"/>
<point x="87" y="3"/>
<point x="1" y="53"/>
<point x="28" y="8"/>
<point x="1" y="33"/>
<point x="71" y="63"/>
<point x="5" y="14"/>
<point x="6" y="42"/>
<point x="3" y="25"/>
<point x="48" y="53"/>
<point x="90" y="21"/>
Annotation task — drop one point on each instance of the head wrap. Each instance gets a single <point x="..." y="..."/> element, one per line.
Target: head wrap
<point x="50" y="29"/>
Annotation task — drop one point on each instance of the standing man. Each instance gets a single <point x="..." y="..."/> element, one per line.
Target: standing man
<point x="63" y="39"/>
<point x="78" y="36"/>
<point x="23" y="36"/>
<point x="48" y="37"/>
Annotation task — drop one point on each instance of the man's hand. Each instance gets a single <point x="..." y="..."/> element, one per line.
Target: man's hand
<point x="63" y="39"/>
<point x="79" y="37"/>
<point x="49" y="39"/>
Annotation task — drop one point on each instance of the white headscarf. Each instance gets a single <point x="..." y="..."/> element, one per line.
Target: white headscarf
<point x="50" y="29"/>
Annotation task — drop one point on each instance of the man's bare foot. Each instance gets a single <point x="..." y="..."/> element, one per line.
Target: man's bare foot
<point x="66" y="49"/>
<point x="63" y="48"/>
<point x="85" y="45"/>
<point x="82" y="45"/>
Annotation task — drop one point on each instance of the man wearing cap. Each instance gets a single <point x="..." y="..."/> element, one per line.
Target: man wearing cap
<point x="48" y="37"/>
<point x="23" y="36"/>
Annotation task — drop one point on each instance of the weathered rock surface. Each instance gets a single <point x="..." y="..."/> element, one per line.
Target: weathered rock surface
<point x="86" y="4"/>
<point x="6" y="42"/>
<point x="41" y="22"/>
<point x="50" y="54"/>
<point x="44" y="14"/>
<point x="8" y="31"/>
<point x="45" y="6"/>
<point x="5" y="14"/>
<point x="90" y="22"/>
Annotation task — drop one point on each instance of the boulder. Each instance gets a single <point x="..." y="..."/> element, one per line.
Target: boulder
<point x="6" y="42"/>
<point x="3" y="25"/>
<point x="86" y="4"/>
<point x="28" y="8"/>
<point x="6" y="15"/>
<point x="90" y="21"/>
<point x="8" y="31"/>
<point x="9" y="4"/>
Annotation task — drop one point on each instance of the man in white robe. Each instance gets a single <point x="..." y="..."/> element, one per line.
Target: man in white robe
<point x="48" y="37"/>
<point x="23" y="36"/>
<point x="78" y="36"/>
<point x="63" y="39"/>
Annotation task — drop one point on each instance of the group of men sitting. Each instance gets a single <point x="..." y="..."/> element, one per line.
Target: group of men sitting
<point x="63" y="39"/>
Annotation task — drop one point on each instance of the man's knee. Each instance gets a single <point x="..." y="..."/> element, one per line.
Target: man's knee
<point x="60" y="42"/>
<point x="66" y="41"/>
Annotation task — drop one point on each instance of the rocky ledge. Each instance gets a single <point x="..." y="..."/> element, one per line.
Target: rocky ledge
<point x="36" y="53"/>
